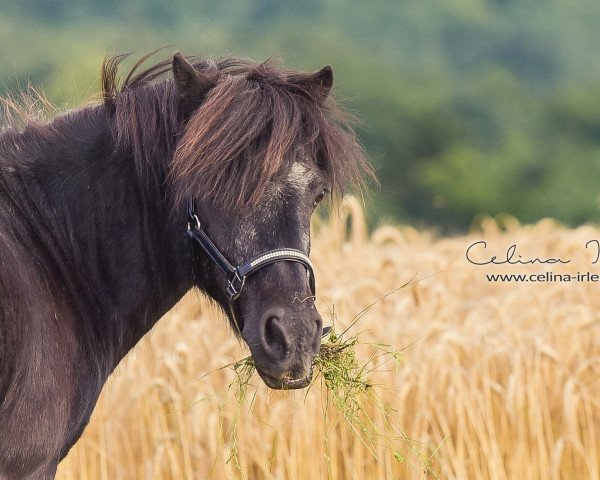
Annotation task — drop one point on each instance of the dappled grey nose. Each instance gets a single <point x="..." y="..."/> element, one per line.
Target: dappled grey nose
<point x="289" y="342"/>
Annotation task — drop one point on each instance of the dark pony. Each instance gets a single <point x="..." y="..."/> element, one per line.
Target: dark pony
<point x="93" y="248"/>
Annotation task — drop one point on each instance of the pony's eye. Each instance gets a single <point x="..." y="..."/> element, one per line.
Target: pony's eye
<point x="319" y="198"/>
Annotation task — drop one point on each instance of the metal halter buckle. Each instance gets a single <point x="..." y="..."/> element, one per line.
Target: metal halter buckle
<point x="233" y="289"/>
<point x="193" y="221"/>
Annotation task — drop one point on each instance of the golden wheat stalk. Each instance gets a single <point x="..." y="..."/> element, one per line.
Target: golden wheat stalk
<point x="498" y="380"/>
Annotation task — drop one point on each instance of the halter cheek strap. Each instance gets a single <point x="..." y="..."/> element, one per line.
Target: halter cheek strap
<point x="236" y="275"/>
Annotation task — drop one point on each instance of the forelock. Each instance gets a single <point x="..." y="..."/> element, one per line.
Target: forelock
<point x="254" y="125"/>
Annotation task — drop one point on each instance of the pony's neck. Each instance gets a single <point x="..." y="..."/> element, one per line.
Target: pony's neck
<point x="121" y="256"/>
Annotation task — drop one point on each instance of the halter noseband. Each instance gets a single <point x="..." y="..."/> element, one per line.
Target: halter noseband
<point x="236" y="275"/>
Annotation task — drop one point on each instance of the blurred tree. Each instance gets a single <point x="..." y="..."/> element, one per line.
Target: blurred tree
<point x="467" y="106"/>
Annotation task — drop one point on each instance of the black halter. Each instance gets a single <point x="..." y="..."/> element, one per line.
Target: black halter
<point x="236" y="276"/>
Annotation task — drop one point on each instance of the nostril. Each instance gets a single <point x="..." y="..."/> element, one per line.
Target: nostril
<point x="275" y="340"/>
<point x="319" y="323"/>
<point x="316" y="343"/>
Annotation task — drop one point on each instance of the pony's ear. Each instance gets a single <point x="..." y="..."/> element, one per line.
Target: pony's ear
<point x="319" y="84"/>
<point x="191" y="84"/>
<point x="324" y="79"/>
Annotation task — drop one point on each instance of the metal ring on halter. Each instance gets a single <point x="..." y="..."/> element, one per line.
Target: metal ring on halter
<point x="232" y="290"/>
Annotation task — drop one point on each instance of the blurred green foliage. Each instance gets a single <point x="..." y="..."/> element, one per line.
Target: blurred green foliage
<point x="467" y="106"/>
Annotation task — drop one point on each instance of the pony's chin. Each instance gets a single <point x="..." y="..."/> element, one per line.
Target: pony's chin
<point x="285" y="383"/>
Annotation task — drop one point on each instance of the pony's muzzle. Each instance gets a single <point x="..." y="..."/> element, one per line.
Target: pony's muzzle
<point x="285" y="347"/>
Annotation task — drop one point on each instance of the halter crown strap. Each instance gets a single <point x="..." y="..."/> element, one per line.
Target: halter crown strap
<point x="236" y="275"/>
<point x="195" y="232"/>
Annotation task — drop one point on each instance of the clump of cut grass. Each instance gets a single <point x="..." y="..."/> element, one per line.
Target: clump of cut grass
<point x="338" y="368"/>
<point x="354" y="396"/>
<point x="347" y="388"/>
<point x="243" y="369"/>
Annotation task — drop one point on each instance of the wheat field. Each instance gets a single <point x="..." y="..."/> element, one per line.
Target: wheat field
<point x="495" y="381"/>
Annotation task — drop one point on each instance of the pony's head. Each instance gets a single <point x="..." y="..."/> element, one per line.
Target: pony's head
<point x="257" y="149"/>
